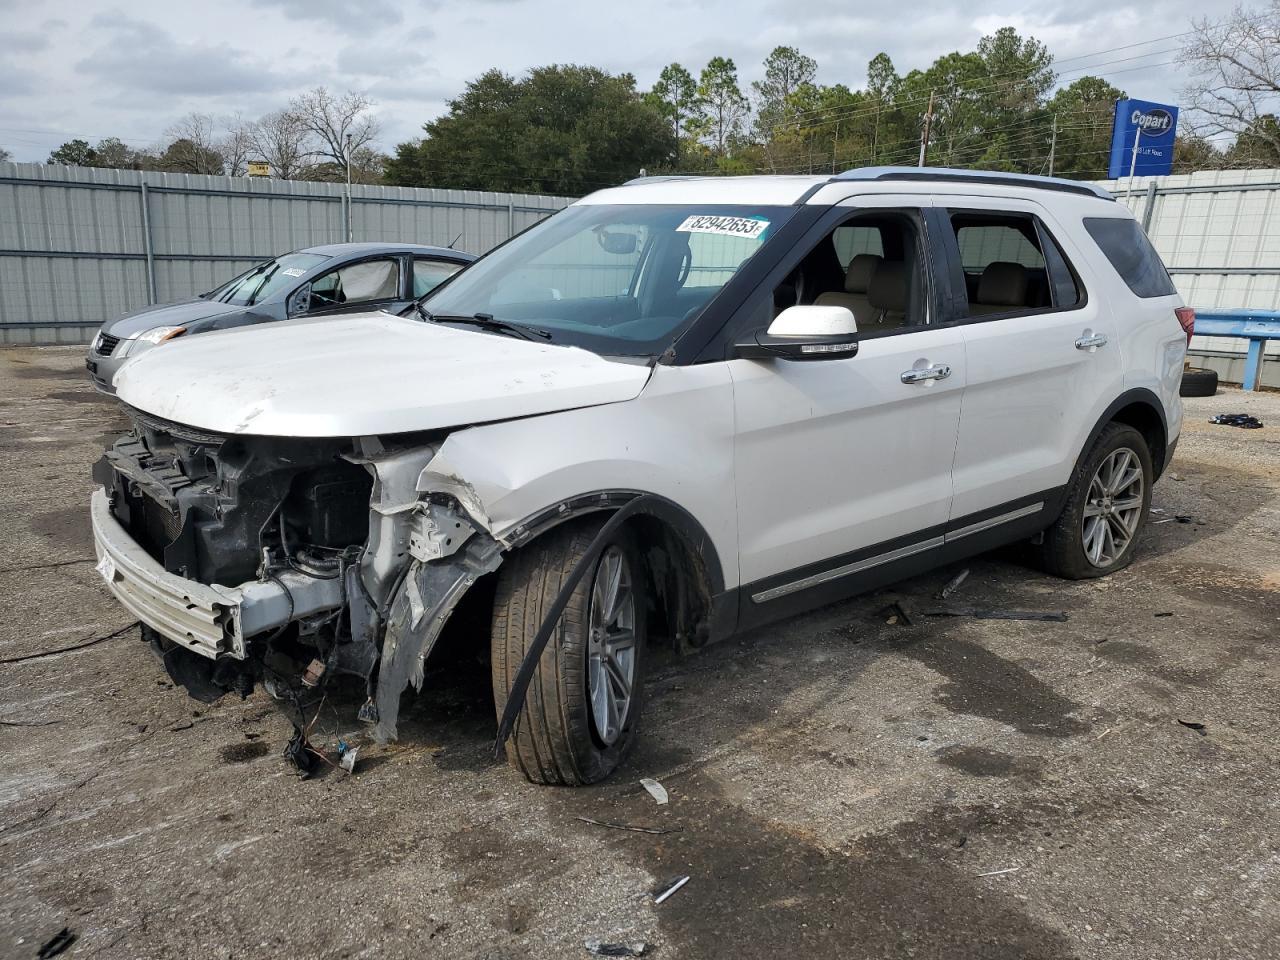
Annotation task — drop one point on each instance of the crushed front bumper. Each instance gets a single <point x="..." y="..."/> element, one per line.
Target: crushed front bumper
<point x="213" y="621"/>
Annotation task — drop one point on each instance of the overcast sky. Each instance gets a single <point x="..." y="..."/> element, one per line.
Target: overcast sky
<point x="98" y="68"/>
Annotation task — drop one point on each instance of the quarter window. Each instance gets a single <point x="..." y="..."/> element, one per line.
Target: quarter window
<point x="1124" y="243"/>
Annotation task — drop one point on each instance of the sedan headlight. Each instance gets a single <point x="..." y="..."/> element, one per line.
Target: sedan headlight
<point x="160" y="334"/>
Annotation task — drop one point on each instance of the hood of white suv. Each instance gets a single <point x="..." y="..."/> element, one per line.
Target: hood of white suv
<point x="363" y="375"/>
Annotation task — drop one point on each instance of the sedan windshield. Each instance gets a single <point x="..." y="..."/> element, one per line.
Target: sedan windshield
<point x="622" y="279"/>
<point x="265" y="279"/>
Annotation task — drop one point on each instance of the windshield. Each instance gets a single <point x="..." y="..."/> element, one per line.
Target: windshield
<point x="617" y="279"/>
<point x="265" y="279"/>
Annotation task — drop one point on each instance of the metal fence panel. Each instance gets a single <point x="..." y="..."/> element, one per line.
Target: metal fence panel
<point x="79" y="246"/>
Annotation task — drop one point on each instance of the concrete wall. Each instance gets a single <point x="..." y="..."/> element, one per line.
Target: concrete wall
<point x="79" y="246"/>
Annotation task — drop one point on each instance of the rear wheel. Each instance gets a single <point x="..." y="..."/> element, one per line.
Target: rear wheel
<point x="1107" y="504"/>
<point x="581" y="713"/>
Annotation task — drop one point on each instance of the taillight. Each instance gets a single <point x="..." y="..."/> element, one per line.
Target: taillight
<point x="1187" y="319"/>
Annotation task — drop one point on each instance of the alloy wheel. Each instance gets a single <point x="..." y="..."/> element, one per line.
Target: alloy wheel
<point x="1113" y="507"/>
<point x="611" y="649"/>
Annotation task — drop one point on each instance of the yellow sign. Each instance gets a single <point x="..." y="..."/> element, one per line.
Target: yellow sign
<point x="259" y="168"/>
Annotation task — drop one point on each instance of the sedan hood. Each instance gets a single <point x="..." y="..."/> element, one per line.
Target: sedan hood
<point x="165" y="315"/>
<point x="363" y="375"/>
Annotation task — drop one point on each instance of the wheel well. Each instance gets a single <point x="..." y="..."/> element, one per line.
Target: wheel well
<point x="679" y="580"/>
<point x="1147" y="422"/>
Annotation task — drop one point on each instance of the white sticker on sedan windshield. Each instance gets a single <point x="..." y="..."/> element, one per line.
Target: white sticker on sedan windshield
<point x="293" y="272"/>
<point x="749" y="227"/>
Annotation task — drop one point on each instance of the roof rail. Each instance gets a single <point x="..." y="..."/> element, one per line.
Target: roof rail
<point x="954" y="175"/>
<point x="662" y="178"/>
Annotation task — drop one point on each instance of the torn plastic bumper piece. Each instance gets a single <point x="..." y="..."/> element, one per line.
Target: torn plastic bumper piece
<point x="419" y="611"/>
<point x="212" y="621"/>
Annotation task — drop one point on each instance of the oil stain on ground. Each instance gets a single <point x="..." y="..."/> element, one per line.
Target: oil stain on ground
<point x="984" y="684"/>
<point x="761" y="891"/>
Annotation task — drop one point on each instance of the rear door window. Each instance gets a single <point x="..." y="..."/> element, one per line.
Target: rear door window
<point x="429" y="274"/>
<point x="1125" y="244"/>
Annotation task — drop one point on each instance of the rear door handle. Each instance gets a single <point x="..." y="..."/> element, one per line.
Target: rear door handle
<point x="935" y="371"/>
<point x="1088" y="343"/>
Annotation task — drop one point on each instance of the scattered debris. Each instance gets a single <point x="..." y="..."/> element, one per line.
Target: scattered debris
<point x="977" y="614"/>
<point x="997" y="873"/>
<point x="626" y="826"/>
<point x="28" y="723"/>
<point x="182" y="725"/>
<point x="1196" y="726"/>
<point x="669" y="888"/>
<point x="347" y="756"/>
<point x="656" y="790"/>
<point x="299" y="753"/>
<point x="1175" y="476"/>
<point x="1237" y="420"/>
<point x="60" y="942"/>
<point x="1183" y="518"/>
<point x="1165" y="520"/>
<point x="895" y="613"/>
<point x="368" y="712"/>
<point x="1165" y="613"/>
<point x="599" y="949"/>
<point x="954" y="584"/>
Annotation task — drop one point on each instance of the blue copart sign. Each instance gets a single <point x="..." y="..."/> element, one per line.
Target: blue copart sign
<point x="1152" y="127"/>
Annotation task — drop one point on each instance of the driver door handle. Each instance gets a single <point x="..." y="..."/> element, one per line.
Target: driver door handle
<point x="935" y="371"/>
<point x="1086" y="343"/>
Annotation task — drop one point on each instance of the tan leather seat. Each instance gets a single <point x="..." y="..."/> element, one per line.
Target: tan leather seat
<point x="888" y="295"/>
<point x="1002" y="287"/>
<point x="857" y="281"/>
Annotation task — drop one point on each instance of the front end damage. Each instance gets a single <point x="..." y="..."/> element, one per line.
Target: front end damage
<point x="286" y="562"/>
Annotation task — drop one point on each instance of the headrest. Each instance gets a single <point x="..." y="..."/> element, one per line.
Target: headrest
<point x="857" y="279"/>
<point x="888" y="290"/>
<point x="1003" y="284"/>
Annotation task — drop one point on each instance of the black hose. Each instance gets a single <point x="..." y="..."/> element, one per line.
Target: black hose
<point x="520" y="685"/>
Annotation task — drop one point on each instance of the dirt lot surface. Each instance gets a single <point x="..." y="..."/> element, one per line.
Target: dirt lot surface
<point x="841" y="786"/>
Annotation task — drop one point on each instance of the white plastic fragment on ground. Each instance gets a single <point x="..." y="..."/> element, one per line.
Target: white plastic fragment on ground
<point x="656" y="790"/>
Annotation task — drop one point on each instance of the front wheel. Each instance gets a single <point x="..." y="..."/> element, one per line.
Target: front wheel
<point x="1107" y="504"/>
<point x="581" y="713"/>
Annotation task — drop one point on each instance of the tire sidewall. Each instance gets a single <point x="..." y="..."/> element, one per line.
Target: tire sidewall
<point x="595" y="759"/>
<point x="1067" y="536"/>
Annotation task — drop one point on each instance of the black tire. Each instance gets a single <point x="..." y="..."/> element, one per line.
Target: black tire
<point x="1198" y="382"/>
<point x="555" y="739"/>
<point x="1063" y="551"/>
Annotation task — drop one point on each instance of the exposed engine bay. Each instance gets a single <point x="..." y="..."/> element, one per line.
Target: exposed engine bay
<point x="285" y="562"/>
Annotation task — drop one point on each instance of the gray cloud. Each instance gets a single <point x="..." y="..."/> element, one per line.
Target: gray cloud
<point x="140" y="56"/>
<point x="363" y="18"/>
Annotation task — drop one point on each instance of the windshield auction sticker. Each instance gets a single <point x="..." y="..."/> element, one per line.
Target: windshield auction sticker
<point x="749" y="227"/>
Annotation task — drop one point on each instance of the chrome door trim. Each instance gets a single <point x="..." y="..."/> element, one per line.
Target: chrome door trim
<point x="858" y="566"/>
<point x="994" y="521"/>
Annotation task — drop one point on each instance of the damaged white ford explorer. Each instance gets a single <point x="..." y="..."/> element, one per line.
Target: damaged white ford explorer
<point x="679" y="408"/>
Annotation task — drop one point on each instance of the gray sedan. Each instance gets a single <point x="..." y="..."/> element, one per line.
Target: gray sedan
<point x="331" y="279"/>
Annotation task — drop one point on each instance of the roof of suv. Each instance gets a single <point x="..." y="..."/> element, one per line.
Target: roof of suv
<point x="789" y="190"/>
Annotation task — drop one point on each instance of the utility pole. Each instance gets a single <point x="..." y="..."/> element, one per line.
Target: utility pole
<point x="924" y="134"/>
<point x="347" y="151"/>
<point x="1053" y="143"/>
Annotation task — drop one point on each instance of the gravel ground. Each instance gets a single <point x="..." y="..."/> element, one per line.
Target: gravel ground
<point x="841" y="786"/>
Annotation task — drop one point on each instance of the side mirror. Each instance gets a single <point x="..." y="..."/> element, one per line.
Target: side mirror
<point x="299" y="301"/>
<point x="803" y="333"/>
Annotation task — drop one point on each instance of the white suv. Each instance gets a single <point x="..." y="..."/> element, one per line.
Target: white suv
<point x="682" y="407"/>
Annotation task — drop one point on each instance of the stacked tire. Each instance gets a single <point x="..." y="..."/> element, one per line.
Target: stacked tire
<point x="1198" y="382"/>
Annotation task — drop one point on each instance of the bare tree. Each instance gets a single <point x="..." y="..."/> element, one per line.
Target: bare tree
<point x="5" y="155"/>
<point x="236" y="146"/>
<point x="1237" y="87"/>
<point x="285" y="141"/>
<point x="194" y="146"/>
<point x="332" y="119"/>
